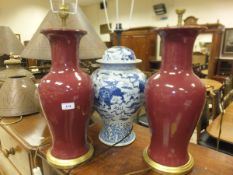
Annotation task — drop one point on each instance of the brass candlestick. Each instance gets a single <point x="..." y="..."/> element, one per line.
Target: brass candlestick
<point x="180" y="13"/>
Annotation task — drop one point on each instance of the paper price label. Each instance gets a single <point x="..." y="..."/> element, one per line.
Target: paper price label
<point x="37" y="171"/>
<point x="67" y="106"/>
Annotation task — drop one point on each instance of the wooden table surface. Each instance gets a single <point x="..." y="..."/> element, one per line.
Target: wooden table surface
<point x="128" y="159"/>
<point x="227" y="126"/>
<point x="118" y="160"/>
<point x="211" y="84"/>
<point x="30" y="132"/>
<point x="205" y="71"/>
<point x="229" y="109"/>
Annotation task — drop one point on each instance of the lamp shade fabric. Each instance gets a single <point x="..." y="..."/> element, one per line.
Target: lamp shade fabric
<point x="9" y="42"/>
<point x="90" y="47"/>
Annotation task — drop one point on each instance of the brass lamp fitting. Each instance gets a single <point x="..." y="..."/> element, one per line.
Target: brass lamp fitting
<point x="180" y="13"/>
<point x="63" y="13"/>
<point x="14" y="59"/>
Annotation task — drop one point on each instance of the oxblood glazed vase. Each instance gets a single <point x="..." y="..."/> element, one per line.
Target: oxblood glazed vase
<point x="174" y="101"/>
<point x="66" y="95"/>
<point x="119" y="92"/>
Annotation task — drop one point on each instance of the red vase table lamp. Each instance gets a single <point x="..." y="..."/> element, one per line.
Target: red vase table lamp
<point x="66" y="95"/>
<point x="174" y="101"/>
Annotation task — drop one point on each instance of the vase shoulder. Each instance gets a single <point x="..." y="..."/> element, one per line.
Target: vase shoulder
<point x="128" y="78"/>
<point x="69" y="83"/>
<point x="116" y="90"/>
<point x="67" y="76"/>
<point x="166" y="82"/>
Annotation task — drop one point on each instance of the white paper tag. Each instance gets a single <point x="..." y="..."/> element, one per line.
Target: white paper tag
<point x="67" y="106"/>
<point x="37" y="171"/>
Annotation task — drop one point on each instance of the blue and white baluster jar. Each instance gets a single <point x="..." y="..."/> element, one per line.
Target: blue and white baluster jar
<point x="119" y="92"/>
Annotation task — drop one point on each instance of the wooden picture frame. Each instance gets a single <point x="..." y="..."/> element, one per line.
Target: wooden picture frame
<point x="104" y="28"/>
<point x="227" y="46"/>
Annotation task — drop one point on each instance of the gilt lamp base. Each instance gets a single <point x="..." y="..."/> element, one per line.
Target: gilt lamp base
<point x="167" y="170"/>
<point x="69" y="163"/>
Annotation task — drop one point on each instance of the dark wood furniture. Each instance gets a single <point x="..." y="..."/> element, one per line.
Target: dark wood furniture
<point x="142" y="41"/>
<point x="31" y="131"/>
<point x="217" y="31"/>
<point x="225" y="67"/>
<point x="155" y="65"/>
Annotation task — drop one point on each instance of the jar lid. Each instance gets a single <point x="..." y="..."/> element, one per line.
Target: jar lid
<point x="119" y="55"/>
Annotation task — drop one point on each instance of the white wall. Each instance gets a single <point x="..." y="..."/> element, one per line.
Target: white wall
<point x="23" y="16"/>
<point x="208" y="11"/>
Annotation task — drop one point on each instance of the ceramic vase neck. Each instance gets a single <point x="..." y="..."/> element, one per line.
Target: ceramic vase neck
<point x="177" y="48"/>
<point x="64" y="48"/>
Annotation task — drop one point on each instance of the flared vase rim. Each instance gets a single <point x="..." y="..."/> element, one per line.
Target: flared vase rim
<point x="181" y="28"/>
<point x="63" y="30"/>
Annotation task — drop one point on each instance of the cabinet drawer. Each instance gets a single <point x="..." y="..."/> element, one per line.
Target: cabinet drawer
<point x="21" y="158"/>
<point x="6" y="167"/>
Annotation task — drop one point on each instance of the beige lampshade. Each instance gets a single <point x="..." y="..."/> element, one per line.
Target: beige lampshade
<point x="91" y="45"/>
<point x="17" y="97"/>
<point x="8" y="42"/>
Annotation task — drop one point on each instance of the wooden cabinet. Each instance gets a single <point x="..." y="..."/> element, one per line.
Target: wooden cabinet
<point x="15" y="153"/>
<point x="142" y="41"/>
<point x="19" y="142"/>
<point x="6" y="167"/>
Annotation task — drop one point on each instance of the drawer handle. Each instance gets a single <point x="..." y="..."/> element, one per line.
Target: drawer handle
<point x="7" y="152"/>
